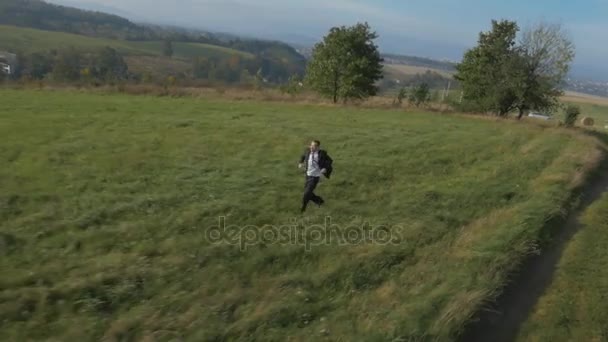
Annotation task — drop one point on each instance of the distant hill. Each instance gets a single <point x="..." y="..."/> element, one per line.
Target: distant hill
<point x="28" y="40"/>
<point x="36" y="26"/>
<point x="44" y="16"/>
<point x="41" y="15"/>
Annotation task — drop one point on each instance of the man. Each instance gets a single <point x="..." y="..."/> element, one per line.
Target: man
<point x="316" y="163"/>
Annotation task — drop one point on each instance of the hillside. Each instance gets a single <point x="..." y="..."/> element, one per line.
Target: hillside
<point x="41" y="15"/>
<point x="32" y="40"/>
<point x="52" y="22"/>
<point x="110" y="206"/>
<point x="275" y="62"/>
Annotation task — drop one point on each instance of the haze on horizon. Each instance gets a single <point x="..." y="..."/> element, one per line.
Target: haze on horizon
<point x="441" y="29"/>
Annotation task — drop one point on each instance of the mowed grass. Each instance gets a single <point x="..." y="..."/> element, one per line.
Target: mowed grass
<point x="18" y="39"/>
<point x="575" y="306"/>
<point x="106" y="202"/>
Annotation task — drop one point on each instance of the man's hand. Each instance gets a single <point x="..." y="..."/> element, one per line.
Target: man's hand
<point x="300" y="166"/>
<point x="323" y="171"/>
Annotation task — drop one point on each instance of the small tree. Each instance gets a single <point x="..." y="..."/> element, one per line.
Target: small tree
<point x="258" y="80"/>
<point x="67" y="66"/>
<point x="571" y="115"/>
<point x="293" y="85"/>
<point x="420" y="94"/>
<point x="167" y="48"/>
<point x="37" y="65"/>
<point x="245" y="77"/>
<point x="401" y="95"/>
<point x="110" y="66"/>
<point x="346" y="64"/>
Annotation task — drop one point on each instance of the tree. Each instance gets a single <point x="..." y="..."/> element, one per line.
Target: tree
<point x="258" y="79"/>
<point x="489" y="73"/>
<point x="546" y="54"/>
<point x="346" y="64"/>
<point x="201" y="67"/>
<point x="500" y="76"/>
<point x="167" y="48"/>
<point x="293" y="85"/>
<point x="402" y="94"/>
<point x="37" y="65"/>
<point x="420" y="94"/>
<point x="67" y="66"/>
<point x="571" y="115"/>
<point x="110" y="66"/>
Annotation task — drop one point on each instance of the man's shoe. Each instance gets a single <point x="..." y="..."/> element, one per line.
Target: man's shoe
<point x="321" y="203"/>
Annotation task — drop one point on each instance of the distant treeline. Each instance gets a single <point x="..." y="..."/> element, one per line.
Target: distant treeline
<point x="241" y="70"/>
<point x="108" y="65"/>
<point x="70" y="65"/>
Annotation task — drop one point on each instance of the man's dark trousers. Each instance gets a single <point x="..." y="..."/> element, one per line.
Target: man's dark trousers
<point x="309" y="194"/>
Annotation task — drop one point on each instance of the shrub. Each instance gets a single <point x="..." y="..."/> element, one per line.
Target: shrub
<point x="400" y="96"/>
<point x="420" y="94"/>
<point x="571" y="115"/>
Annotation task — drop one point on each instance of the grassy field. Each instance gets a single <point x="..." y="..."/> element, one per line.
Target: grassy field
<point x="108" y="202"/>
<point x="396" y="70"/>
<point x="31" y="40"/>
<point x="191" y="50"/>
<point x="157" y="66"/>
<point x="575" y="306"/>
<point x="592" y="106"/>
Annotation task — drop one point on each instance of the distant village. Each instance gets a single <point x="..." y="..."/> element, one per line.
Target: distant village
<point x="588" y="87"/>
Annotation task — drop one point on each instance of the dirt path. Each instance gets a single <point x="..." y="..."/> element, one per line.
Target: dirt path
<point x="502" y="321"/>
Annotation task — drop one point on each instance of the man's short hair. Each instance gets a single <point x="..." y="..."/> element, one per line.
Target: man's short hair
<point x="317" y="142"/>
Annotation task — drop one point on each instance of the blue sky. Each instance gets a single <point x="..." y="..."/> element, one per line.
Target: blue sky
<point x="433" y="28"/>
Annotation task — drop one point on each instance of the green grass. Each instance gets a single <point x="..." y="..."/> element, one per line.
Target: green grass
<point x="31" y="40"/>
<point x="598" y="112"/>
<point x="18" y="39"/>
<point x="191" y="50"/>
<point x="591" y="106"/>
<point x="575" y="306"/>
<point x="105" y="202"/>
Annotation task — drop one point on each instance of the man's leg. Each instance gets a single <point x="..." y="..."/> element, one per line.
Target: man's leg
<point x="318" y="200"/>
<point x="309" y="188"/>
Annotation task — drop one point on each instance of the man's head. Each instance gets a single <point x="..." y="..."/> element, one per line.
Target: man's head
<point x="315" y="145"/>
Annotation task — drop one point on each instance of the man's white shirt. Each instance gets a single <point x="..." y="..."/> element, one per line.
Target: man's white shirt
<point x="313" y="169"/>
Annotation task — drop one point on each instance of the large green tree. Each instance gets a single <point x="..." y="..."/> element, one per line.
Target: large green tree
<point x="489" y="73"/>
<point x="346" y="64"/>
<point x="500" y="76"/>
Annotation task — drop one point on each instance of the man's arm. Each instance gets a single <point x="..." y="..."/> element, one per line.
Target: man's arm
<point x="326" y="168"/>
<point x="323" y="161"/>
<point x="302" y="159"/>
